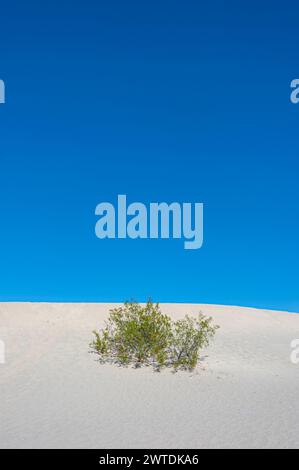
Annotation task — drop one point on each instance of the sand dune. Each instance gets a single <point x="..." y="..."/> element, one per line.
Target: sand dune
<point x="55" y="395"/>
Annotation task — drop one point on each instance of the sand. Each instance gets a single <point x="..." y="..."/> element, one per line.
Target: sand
<point x="54" y="393"/>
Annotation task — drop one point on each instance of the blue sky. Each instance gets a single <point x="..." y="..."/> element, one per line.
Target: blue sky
<point x="162" y="101"/>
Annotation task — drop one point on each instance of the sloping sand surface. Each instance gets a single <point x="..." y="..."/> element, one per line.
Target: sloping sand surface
<point x="54" y="393"/>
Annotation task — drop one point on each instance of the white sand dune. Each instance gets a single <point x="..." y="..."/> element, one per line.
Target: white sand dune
<point x="55" y="395"/>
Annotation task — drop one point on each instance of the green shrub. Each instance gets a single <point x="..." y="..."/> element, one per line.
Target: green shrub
<point x="189" y="336"/>
<point x="136" y="334"/>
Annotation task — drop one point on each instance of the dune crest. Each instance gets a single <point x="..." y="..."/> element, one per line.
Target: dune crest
<point x="55" y="394"/>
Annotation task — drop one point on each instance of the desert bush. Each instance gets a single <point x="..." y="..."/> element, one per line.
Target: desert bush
<point x="136" y="334"/>
<point x="189" y="336"/>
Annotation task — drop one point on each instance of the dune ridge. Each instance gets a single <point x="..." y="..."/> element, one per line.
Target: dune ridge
<point x="54" y="393"/>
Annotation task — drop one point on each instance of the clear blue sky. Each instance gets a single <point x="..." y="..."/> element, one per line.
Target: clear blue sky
<point x="162" y="101"/>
